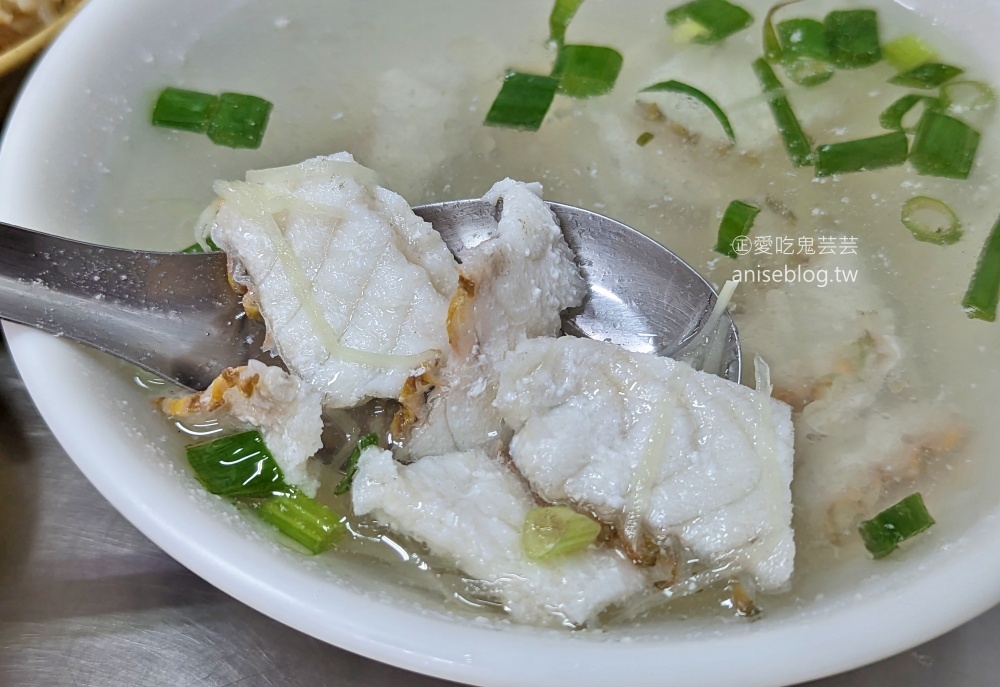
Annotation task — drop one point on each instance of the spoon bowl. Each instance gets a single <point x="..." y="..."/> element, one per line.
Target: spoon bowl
<point x="177" y="315"/>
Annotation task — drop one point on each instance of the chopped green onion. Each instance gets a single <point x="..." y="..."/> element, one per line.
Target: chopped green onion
<point x="198" y="248"/>
<point x="304" y="519"/>
<point x="688" y="31"/>
<point x="772" y="46"/>
<point x="892" y="116"/>
<point x="805" y="55"/>
<point x="883" y="533"/>
<point x="708" y="21"/>
<point x="554" y="531"/>
<point x="523" y="101"/>
<point x="798" y="146"/>
<point x="736" y="223"/>
<point x="644" y="138"/>
<point x="887" y="150"/>
<point x="177" y="108"/>
<point x="237" y="465"/>
<point x="930" y="220"/>
<point x="239" y="120"/>
<point x="352" y="463"/>
<point x="929" y="75"/>
<point x="562" y="14"/>
<point x="692" y="92"/>
<point x="963" y="97"/>
<point x="803" y="37"/>
<point x="586" y="70"/>
<point x="943" y="146"/>
<point x="981" y="298"/>
<point x="808" y="71"/>
<point x="230" y="119"/>
<point x="906" y="52"/>
<point x="852" y="37"/>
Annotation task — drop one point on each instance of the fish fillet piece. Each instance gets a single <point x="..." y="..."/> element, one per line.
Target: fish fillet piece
<point x="286" y="410"/>
<point x="698" y="460"/>
<point x="458" y="414"/>
<point x="470" y="509"/>
<point x="515" y="284"/>
<point x="841" y="479"/>
<point x="524" y="274"/>
<point x="353" y="286"/>
<point x="837" y="344"/>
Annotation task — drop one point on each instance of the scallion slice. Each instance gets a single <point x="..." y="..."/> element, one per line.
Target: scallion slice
<point x="303" y="519"/>
<point x="887" y="150"/>
<point x="852" y="38"/>
<point x="808" y="71"/>
<point x="884" y="533"/>
<point x="892" y="116"/>
<point x="239" y="120"/>
<point x="707" y="21"/>
<point x="805" y="55"/>
<point x="772" y="45"/>
<point x="980" y="301"/>
<point x="931" y="220"/>
<point x="964" y="97"/>
<point x="929" y="75"/>
<point x="701" y="97"/>
<point x="794" y="138"/>
<point x="352" y="463"/>
<point x="523" y="101"/>
<point x="906" y="52"/>
<point x="586" y="70"/>
<point x="198" y="248"/>
<point x="803" y="37"/>
<point x="553" y="531"/>
<point x="644" y="138"/>
<point x="943" y="146"/>
<point x="562" y="14"/>
<point x="736" y="222"/>
<point x="237" y="465"/>
<point x="177" y="108"/>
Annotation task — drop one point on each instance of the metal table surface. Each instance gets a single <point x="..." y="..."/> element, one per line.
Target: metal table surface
<point x="85" y="599"/>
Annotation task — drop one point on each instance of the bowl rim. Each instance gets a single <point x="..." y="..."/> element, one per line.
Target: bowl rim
<point x="462" y="652"/>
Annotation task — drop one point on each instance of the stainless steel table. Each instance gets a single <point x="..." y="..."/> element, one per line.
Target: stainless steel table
<point x="85" y="599"/>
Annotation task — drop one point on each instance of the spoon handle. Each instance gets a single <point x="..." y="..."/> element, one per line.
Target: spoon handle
<point x="174" y="314"/>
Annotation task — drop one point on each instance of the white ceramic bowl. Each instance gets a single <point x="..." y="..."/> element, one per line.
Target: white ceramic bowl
<point x="61" y="159"/>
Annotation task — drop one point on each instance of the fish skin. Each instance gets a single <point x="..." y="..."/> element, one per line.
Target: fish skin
<point x="584" y="412"/>
<point x="470" y="509"/>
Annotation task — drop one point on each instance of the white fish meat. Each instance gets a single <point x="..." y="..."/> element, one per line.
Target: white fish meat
<point x="841" y="479"/>
<point x="837" y="343"/>
<point x="470" y="509"/>
<point x="286" y="410"/>
<point x="696" y="459"/>
<point x="353" y="286"/>
<point x="525" y="273"/>
<point x="516" y="283"/>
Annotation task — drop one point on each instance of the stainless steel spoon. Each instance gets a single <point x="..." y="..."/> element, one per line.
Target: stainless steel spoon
<point x="177" y="316"/>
